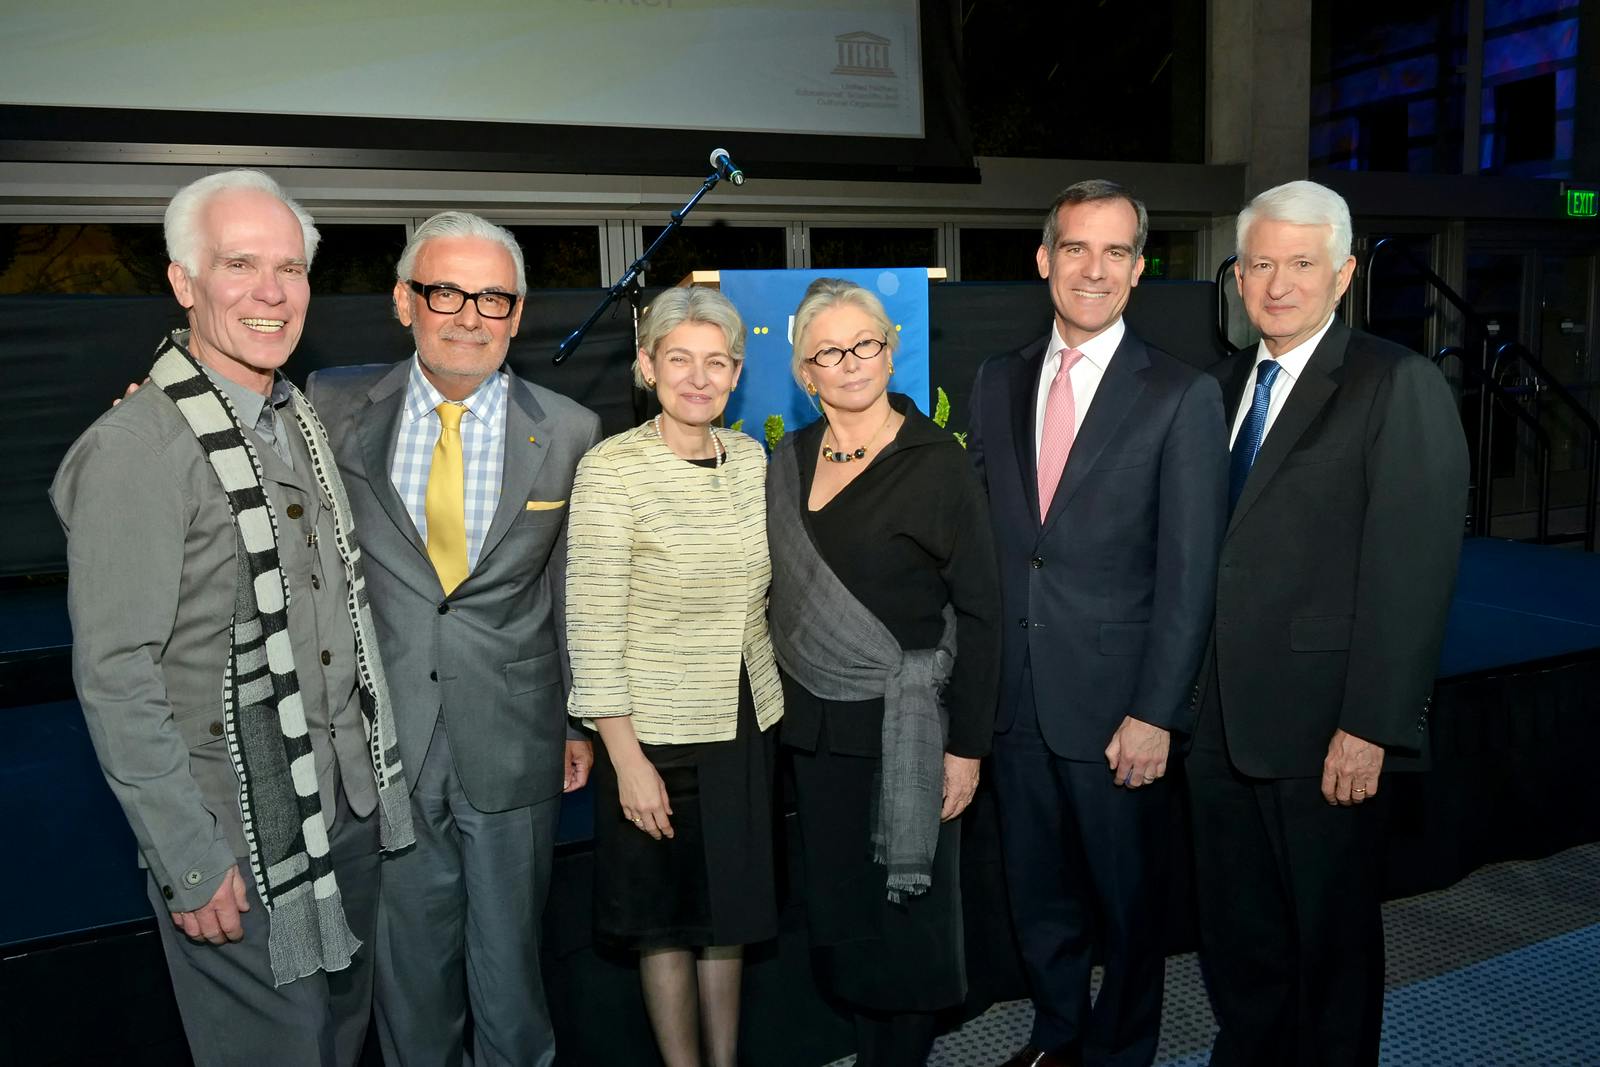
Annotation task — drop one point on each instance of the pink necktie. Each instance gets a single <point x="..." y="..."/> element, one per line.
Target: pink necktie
<point x="1060" y="418"/>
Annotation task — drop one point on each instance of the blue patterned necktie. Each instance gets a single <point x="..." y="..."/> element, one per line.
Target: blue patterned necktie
<point x="1254" y="428"/>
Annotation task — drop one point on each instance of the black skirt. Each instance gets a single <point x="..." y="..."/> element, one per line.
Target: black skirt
<point x="873" y="954"/>
<point x="712" y="883"/>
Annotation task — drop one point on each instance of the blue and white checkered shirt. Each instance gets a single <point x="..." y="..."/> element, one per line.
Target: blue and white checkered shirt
<point x="483" y="453"/>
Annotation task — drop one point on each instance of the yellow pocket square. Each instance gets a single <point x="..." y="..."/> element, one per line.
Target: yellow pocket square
<point x="545" y="505"/>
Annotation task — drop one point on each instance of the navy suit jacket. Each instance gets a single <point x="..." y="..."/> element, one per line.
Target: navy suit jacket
<point x="1110" y="597"/>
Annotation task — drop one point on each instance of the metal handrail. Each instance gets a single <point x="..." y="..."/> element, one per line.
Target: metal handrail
<point x="1222" y="305"/>
<point x="1487" y="365"/>
<point x="1433" y="279"/>
<point x="1541" y="439"/>
<point x="1517" y="350"/>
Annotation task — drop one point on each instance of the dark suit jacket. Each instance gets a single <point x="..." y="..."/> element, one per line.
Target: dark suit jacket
<point x="1339" y="559"/>
<point x="1110" y="597"/>
<point x="486" y="657"/>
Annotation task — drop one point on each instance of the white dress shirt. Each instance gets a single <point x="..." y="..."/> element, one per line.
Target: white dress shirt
<point x="483" y="453"/>
<point x="1085" y="375"/>
<point x="1292" y="365"/>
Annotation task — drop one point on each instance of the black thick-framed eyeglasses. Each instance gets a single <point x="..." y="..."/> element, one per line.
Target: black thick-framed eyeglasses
<point x="871" y="348"/>
<point x="447" y="300"/>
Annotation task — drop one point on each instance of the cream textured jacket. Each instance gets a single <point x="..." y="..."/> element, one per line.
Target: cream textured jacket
<point x="667" y="576"/>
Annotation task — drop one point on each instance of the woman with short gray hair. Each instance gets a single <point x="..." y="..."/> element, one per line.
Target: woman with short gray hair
<point x="667" y="576"/>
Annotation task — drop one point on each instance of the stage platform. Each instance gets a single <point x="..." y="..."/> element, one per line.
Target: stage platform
<point x="1518" y="690"/>
<point x="1517" y="607"/>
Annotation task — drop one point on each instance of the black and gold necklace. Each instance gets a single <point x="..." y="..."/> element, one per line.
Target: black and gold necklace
<point x="860" y="453"/>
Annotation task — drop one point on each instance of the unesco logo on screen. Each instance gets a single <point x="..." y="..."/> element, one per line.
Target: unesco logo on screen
<point x="863" y="55"/>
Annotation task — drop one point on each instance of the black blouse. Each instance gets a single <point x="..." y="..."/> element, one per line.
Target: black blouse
<point x="909" y="535"/>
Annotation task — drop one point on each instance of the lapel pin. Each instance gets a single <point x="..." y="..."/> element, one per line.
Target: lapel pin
<point x="533" y="440"/>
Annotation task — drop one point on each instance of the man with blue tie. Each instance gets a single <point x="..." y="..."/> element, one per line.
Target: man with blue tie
<point x="1105" y="464"/>
<point x="1347" y="495"/>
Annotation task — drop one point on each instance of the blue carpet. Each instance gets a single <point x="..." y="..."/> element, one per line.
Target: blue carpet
<point x="1536" y="1004"/>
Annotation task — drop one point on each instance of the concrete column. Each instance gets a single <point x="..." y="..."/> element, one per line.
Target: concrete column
<point x="1258" y="105"/>
<point x="1258" y="91"/>
<point x="1586" y="132"/>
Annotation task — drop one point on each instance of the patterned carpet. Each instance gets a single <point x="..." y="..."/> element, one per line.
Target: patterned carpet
<point x="1502" y="968"/>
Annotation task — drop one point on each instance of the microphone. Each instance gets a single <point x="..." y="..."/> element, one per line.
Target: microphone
<point x="725" y="166"/>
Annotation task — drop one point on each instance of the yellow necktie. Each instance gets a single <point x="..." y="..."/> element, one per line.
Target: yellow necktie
<point x="446" y="503"/>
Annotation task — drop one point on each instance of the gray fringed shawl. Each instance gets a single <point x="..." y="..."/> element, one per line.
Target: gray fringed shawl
<point x="263" y="718"/>
<point x="831" y="644"/>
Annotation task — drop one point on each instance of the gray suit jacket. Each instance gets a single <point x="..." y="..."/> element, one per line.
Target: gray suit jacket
<point x="490" y="657"/>
<point x="152" y="574"/>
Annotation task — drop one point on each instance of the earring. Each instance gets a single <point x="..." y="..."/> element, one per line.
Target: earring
<point x="811" y="387"/>
<point x="891" y="366"/>
<point x="650" y="383"/>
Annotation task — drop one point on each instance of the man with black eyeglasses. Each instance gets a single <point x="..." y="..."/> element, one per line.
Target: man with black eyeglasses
<point x="459" y="474"/>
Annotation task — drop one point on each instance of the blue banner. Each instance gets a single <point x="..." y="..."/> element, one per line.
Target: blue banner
<point x="766" y="299"/>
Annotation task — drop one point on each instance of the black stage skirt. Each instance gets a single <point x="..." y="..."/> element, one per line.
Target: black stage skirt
<point x="873" y="954"/>
<point x="713" y="882"/>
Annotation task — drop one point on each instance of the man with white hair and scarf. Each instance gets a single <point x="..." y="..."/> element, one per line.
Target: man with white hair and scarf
<point x="224" y="655"/>
<point x="460" y="473"/>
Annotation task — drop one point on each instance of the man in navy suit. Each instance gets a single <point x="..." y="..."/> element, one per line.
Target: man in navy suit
<point x="1106" y="464"/>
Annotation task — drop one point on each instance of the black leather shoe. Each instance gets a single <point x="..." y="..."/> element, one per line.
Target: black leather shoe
<point x="1028" y="1056"/>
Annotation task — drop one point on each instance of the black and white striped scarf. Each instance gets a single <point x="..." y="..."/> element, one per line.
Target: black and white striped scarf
<point x="263" y="718"/>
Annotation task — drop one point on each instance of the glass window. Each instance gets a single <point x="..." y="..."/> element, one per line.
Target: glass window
<point x="357" y="257"/>
<point x="1171" y="255"/>
<point x="1388" y="85"/>
<point x="1086" y="81"/>
<point x="869" y="246"/>
<point x="717" y="246"/>
<point x="118" y="259"/>
<point x="561" y="257"/>
<point x="999" y="255"/>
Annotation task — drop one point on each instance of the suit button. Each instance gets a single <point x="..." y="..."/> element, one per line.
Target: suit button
<point x="166" y="891"/>
<point x="444" y="608"/>
<point x="216" y="729"/>
<point x="327" y="657"/>
<point x="316" y="583"/>
<point x="191" y="877"/>
<point x="294" y="511"/>
<point x="1037" y="561"/>
<point x="433" y="676"/>
<point x="1022" y="623"/>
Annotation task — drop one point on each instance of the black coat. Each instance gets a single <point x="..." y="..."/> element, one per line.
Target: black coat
<point x="1339" y="558"/>
<point x="909" y="535"/>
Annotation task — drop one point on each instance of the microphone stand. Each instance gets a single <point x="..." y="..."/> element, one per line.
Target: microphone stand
<point x="628" y="284"/>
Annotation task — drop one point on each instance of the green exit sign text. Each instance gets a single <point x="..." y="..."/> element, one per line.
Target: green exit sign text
<point x="1583" y="203"/>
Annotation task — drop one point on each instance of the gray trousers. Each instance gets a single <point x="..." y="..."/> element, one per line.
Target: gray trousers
<point x="459" y="924"/>
<point x="232" y="1014"/>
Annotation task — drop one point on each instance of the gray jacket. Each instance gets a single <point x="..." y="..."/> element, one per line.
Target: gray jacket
<point x="490" y="657"/>
<point x="152" y="574"/>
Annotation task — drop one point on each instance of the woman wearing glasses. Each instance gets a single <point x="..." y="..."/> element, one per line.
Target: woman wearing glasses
<point x="667" y="577"/>
<point x="885" y="617"/>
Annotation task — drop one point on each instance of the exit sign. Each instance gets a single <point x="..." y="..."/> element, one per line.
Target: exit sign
<point x="1583" y="203"/>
